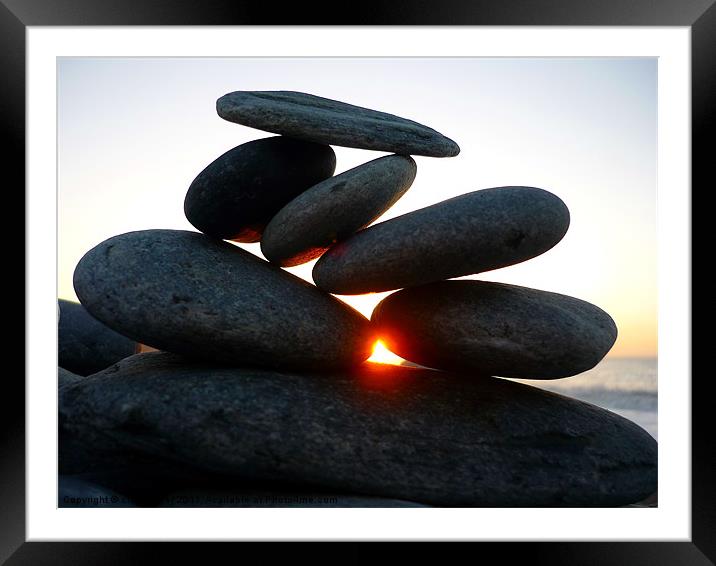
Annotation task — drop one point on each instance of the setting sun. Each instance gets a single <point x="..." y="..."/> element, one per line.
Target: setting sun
<point x="382" y="355"/>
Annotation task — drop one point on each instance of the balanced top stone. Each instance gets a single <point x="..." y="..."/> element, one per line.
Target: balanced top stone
<point x="188" y="293"/>
<point x="237" y="194"/>
<point x="471" y="233"/>
<point x="322" y="120"/>
<point x="335" y="209"/>
<point x="388" y="431"/>
<point x="494" y="328"/>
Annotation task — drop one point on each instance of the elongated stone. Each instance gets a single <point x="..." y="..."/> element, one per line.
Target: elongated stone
<point x="322" y="120"/>
<point x="472" y="233"/>
<point x="335" y="209"/>
<point x="494" y="328"/>
<point x="388" y="431"/>
<point x="239" y="192"/>
<point x="188" y="293"/>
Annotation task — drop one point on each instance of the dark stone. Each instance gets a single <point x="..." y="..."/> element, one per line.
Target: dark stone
<point x="250" y="498"/>
<point x="389" y="431"/>
<point x="65" y="377"/>
<point x="335" y="209"/>
<point x="472" y="233"/>
<point x="313" y="118"/>
<point x="85" y="345"/>
<point x="494" y="328"/>
<point x="238" y="193"/>
<point x="76" y="492"/>
<point x="188" y="293"/>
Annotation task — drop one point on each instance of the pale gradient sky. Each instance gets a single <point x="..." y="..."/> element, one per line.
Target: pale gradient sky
<point x="133" y="134"/>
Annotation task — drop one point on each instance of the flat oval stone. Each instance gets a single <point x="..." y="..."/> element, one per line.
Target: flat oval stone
<point x="322" y="120"/>
<point x="385" y="431"/>
<point x="188" y="293"/>
<point x="335" y="209"/>
<point x="468" y="234"/>
<point x="85" y="345"/>
<point x="238" y="193"/>
<point x="494" y="328"/>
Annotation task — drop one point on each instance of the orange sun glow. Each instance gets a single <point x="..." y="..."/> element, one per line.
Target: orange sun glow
<point x="382" y="355"/>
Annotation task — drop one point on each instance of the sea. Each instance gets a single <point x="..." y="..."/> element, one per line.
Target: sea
<point x="626" y="386"/>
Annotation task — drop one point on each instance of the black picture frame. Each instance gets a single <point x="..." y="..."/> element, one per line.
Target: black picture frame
<point x="16" y="15"/>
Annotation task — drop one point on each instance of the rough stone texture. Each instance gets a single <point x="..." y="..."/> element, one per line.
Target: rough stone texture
<point x="472" y="233"/>
<point x="238" y="193"/>
<point x="384" y="431"/>
<point x="65" y="377"/>
<point x="249" y="498"/>
<point x="494" y="328"/>
<point x="335" y="209"/>
<point x="76" y="492"/>
<point x="313" y="118"/>
<point x="85" y="345"/>
<point x="188" y="293"/>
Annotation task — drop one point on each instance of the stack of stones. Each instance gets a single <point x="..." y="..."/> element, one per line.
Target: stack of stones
<point x="261" y="384"/>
